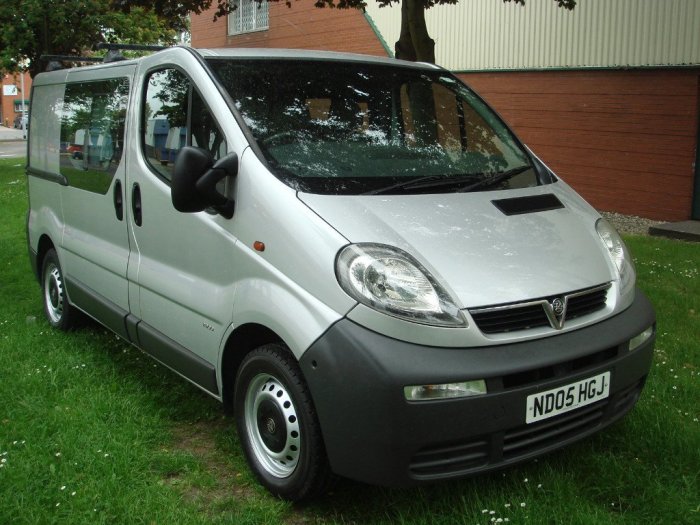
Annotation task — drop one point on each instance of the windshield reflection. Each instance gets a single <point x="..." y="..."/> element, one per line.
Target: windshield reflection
<point x="352" y="128"/>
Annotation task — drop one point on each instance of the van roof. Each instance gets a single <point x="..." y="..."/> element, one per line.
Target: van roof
<point x="60" y="76"/>
<point x="303" y="54"/>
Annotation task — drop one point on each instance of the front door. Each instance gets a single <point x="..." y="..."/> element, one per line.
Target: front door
<point x="182" y="272"/>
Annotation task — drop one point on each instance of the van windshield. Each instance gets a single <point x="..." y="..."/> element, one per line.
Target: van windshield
<point x="355" y="128"/>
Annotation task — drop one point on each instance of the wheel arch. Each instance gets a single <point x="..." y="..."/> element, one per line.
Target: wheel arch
<point x="267" y="310"/>
<point x="243" y="340"/>
<point x="45" y="244"/>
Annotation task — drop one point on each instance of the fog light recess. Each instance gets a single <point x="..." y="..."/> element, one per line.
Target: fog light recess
<point x="639" y="340"/>
<point x="445" y="391"/>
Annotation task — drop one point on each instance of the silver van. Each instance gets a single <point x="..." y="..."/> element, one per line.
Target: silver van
<point x="354" y="254"/>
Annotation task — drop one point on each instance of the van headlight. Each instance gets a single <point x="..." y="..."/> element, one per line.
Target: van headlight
<point x="391" y="281"/>
<point x="618" y="253"/>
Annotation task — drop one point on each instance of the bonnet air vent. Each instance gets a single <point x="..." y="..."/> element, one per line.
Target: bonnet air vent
<point x="520" y="205"/>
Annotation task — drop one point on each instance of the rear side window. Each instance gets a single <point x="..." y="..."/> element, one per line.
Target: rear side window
<point x="92" y="132"/>
<point x="175" y="115"/>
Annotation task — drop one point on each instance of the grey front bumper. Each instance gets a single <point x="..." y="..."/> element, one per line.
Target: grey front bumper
<point x="373" y="434"/>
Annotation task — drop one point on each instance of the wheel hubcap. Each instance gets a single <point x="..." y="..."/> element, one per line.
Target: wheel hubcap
<point x="53" y="293"/>
<point x="272" y="425"/>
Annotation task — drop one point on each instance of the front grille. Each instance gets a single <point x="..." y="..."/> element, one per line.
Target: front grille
<point x="513" y="317"/>
<point x="510" y="319"/>
<point x="521" y="442"/>
<point x="587" y="303"/>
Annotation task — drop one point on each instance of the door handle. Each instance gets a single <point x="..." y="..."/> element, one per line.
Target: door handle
<point x="118" y="200"/>
<point x="136" y="203"/>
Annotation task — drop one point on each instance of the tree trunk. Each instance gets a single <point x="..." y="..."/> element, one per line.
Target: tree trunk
<point x="403" y="49"/>
<point x="414" y="42"/>
<point x="36" y="65"/>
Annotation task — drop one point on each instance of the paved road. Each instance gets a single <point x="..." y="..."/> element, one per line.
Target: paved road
<point x="12" y="143"/>
<point x="13" y="149"/>
<point x="10" y="134"/>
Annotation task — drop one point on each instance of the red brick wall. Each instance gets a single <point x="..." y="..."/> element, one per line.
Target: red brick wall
<point x="301" y="26"/>
<point x="8" y="103"/>
<point x="625" y="140"/>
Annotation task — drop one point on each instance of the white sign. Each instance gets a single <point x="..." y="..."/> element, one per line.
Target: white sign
<point x="9" y="90"/>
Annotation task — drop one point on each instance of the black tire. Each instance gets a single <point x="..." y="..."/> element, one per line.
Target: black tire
<point x="57" y="308"/>
<point x="277" y="425"/>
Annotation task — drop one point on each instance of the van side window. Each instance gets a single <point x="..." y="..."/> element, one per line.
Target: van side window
<point x="205" y="132"/>
<point x="92" y="132"/>
<point x="174" y="115"/>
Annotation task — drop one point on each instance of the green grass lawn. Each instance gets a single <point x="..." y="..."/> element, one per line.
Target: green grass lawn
<point x="93" y="431"/>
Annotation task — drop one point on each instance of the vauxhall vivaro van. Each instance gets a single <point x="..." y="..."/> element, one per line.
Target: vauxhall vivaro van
<point x="355" y="254"/>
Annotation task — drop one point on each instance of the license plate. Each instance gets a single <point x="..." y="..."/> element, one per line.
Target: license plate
<point x="563" y="399"/>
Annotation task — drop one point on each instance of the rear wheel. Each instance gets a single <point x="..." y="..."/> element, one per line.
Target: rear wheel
<point x="277" y="425"/>
<point x="59" y="312"/>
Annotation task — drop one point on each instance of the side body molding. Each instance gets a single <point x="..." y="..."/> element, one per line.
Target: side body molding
<point x="163" y="349"/>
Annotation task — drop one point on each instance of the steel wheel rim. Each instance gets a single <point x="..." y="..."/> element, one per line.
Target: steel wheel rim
<point x="272" y="425"/>
<point x="53" y="293"/>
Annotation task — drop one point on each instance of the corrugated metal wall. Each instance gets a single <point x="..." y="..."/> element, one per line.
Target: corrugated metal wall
<point x="490" y="34"/>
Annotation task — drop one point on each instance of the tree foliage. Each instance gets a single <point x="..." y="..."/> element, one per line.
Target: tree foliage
<point x="31" y="28"/>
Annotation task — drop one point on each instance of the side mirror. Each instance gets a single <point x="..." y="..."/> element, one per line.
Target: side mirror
<point x="206" y="185"/>
<point x="194" y="180"/>
<point x="190" y="165"/>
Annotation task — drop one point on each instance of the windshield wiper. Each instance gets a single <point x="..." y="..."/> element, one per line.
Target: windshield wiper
<point x="429" y="181"/>
<point x="400" y="185"/>
<point x="494" y="179"/>
<point x="436" y="181"/>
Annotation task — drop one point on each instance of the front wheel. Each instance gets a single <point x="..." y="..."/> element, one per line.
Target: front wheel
<point x="277" y="425"/>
